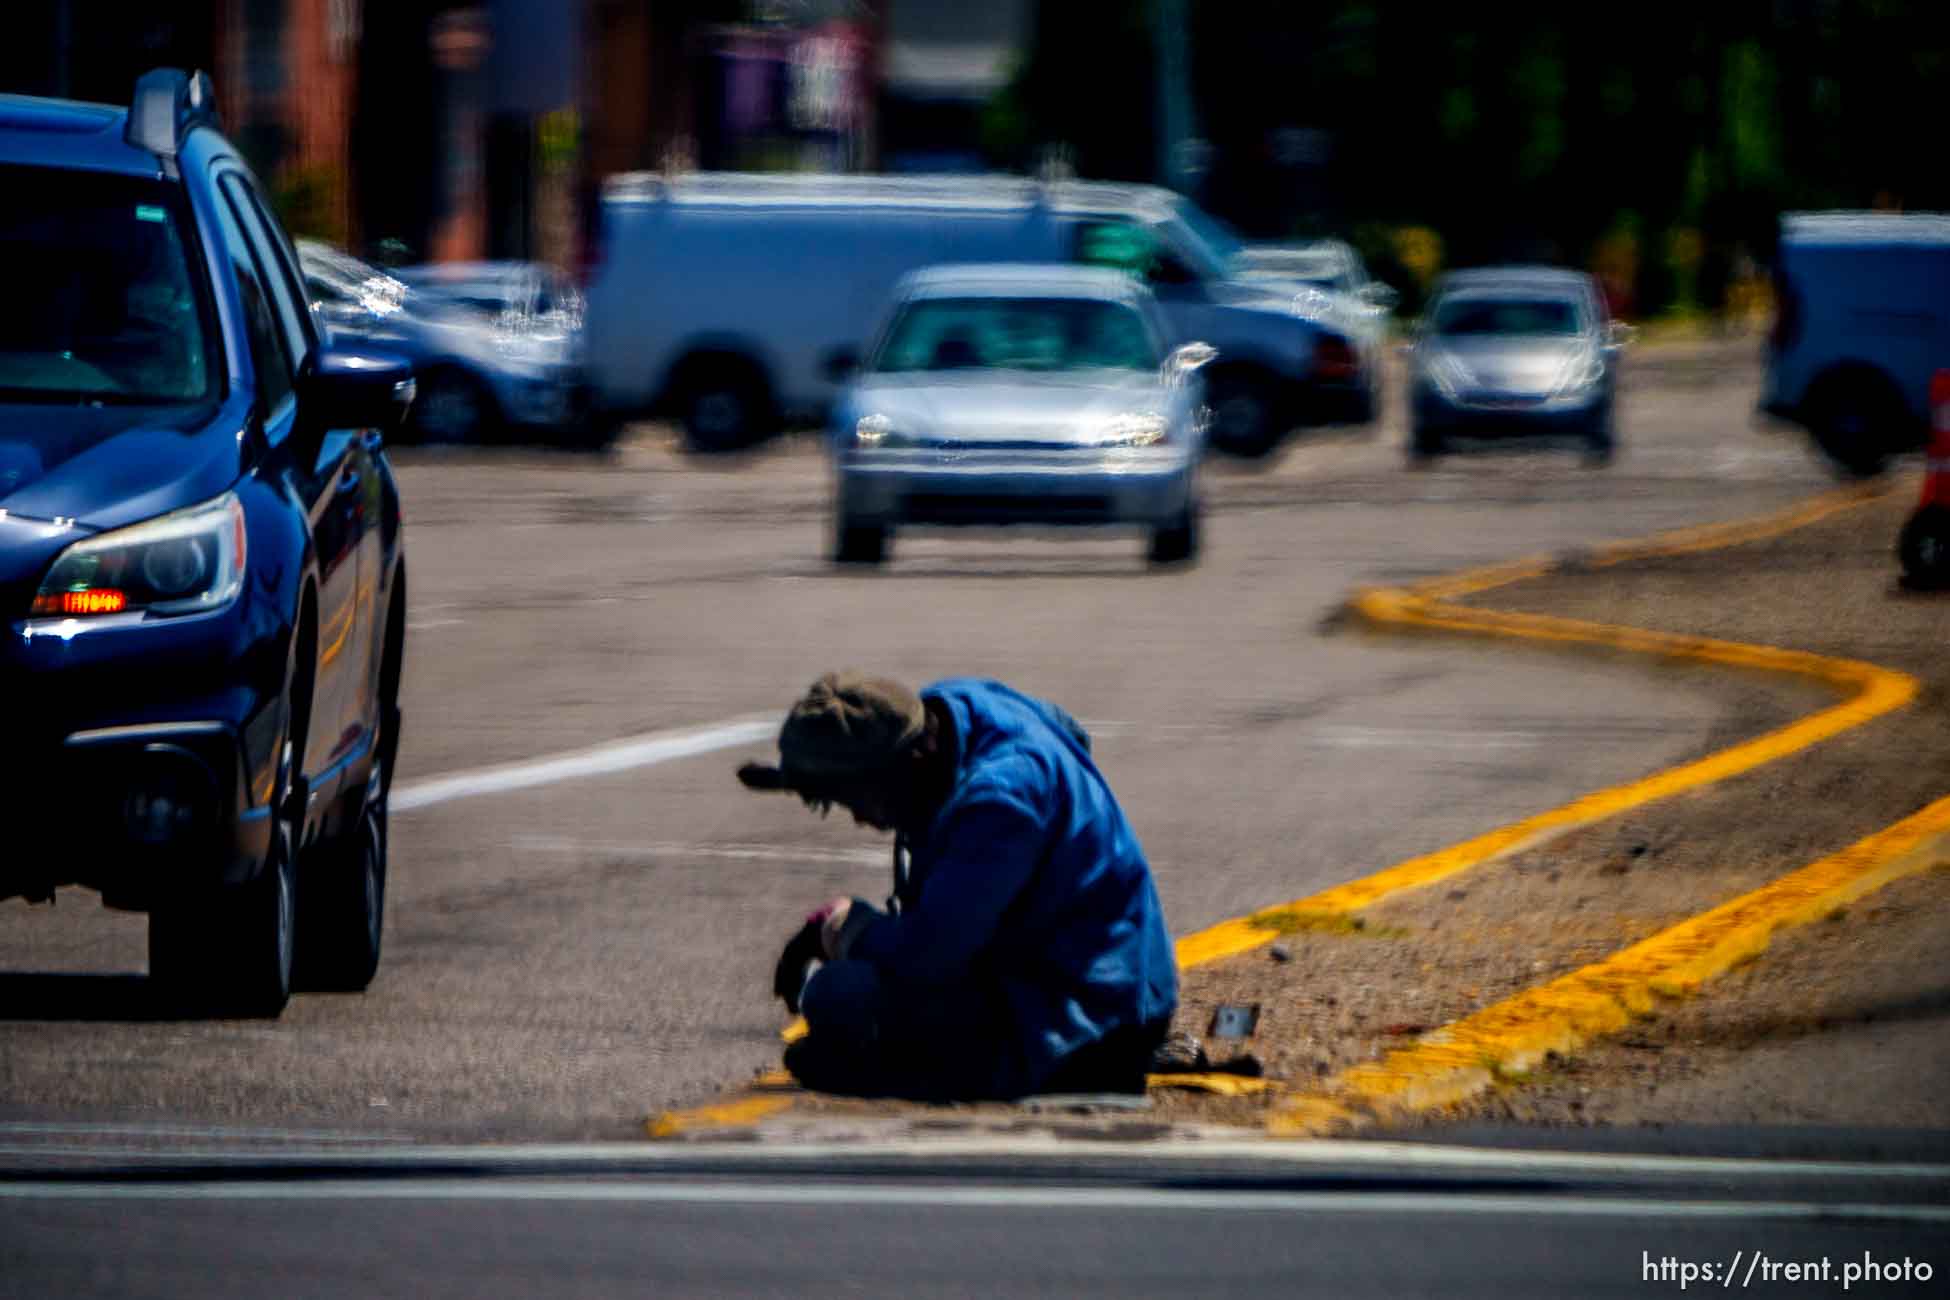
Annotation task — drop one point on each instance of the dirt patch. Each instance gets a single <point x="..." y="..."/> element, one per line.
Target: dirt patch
<point x="1335" y="996"/>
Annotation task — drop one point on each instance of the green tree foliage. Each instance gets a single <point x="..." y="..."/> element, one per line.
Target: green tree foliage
<point x="1661" y="140"/>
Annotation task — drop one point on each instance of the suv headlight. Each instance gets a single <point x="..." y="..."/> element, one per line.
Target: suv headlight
<point x="181" y="563"/>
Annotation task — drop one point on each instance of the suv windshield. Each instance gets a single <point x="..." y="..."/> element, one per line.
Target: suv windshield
<point x="1548" y="316"/>
<point x="1016" y="334"/>
<point x="103" y="307"/>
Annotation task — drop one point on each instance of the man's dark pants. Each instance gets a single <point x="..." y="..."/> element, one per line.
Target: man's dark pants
<point x="960" y="1044"/>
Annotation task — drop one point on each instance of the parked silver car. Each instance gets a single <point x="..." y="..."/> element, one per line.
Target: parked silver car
<point x="1514" y="350"/>
<point x="485" y="365"/>
<point x="1021" y="394"/>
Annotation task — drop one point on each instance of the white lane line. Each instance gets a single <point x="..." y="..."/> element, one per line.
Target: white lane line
<point x="673" y="849"/>
<point x="36" y="1129"/>
<point x="924" y="1153"/>
<point x="1021" y="1197"/>
<point x="664" y="746"/>
<point x="616" y="756"/>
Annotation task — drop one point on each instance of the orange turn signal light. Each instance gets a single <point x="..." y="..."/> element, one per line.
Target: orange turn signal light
<point x="95" y="600"/>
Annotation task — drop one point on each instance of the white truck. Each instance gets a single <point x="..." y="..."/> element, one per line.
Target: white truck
<point x="736" y="302"/>
<point x="1862" y="322"/>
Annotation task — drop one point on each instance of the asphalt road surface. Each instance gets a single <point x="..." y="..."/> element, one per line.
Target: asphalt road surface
<point x="575" y="944"/>
<point x="1339" y="1220"/>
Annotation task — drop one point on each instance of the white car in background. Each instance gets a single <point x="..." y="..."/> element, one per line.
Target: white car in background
<point x="1021" y="395"/>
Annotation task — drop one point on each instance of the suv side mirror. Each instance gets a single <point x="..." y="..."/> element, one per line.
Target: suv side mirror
<point x="343" y="389"/>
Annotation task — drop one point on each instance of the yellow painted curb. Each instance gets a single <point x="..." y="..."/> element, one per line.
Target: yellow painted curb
<point x="1215" y="1082"/>
<point x="1512" y="1036"/>
<point x="725" y="1114"/>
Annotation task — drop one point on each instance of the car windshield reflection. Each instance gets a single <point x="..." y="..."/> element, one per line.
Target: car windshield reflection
<point x="1507" y="316"/>
<point x="1049" y="334"/>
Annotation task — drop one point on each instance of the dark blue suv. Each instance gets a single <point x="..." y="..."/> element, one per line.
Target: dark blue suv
<point x="202" y="574"/>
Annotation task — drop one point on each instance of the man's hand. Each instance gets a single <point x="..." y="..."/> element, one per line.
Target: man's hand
<point x="832" y="921"/>
<point x="801" y="951"/>
<point x="818" y="940"/>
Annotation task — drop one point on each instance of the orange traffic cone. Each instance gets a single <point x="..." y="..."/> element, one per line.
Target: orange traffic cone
<point x="1924" y="547"/>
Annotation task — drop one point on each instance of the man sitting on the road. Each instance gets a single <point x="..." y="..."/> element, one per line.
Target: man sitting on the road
<point x="1024" y="950"/>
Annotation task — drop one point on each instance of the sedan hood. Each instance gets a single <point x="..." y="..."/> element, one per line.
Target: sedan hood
<point x="1009" y="407"/>
<point x="105" y="466"/>
<point x="1510" y="364"/>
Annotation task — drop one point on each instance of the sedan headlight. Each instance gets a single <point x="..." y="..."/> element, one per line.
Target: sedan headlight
<point x="1448" y="375"/>
<point x="181" y="563"/>
<point x="1580" y="373"/>
<point x="1144" y="429"/>
<point x="878" y="431"/>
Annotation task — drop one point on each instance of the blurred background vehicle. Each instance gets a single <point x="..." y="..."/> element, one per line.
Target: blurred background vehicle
<point x="1862" y="321"/>
<point x="494" y="347"/>
<point x="528" y="292"/>
<point x="1021" y="394"/>
<point x="200" y="557"/>
<point x="1359" y="305"/>
<point x="1514" y="350"/>
<point x="723" y="298"/>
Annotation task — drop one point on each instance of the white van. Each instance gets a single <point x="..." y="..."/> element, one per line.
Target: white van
<point x="1863" y="321"/>
<point x="735" y="302"/>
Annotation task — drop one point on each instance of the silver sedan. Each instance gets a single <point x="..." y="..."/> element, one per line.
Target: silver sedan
<point x="1514" y="350"/>
<point x="1020" y="395"/>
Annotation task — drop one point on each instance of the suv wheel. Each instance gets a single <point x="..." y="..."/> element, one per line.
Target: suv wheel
<point x="345" y="902"/>
<point x="232" y="951"/>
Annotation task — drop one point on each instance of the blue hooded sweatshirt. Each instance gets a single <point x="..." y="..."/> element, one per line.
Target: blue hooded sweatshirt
<point x="1030" y="880"/>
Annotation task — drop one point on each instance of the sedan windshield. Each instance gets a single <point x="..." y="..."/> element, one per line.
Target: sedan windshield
<point x="1526" y="316"/>
<point x="102" y="306"/>
<point x="1041" y="334"/>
